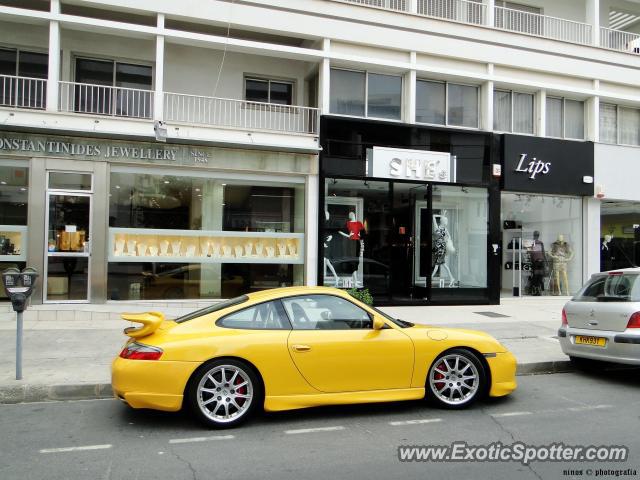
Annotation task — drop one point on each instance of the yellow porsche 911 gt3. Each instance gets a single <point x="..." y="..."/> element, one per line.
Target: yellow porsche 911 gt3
<point x="301" y="347"/>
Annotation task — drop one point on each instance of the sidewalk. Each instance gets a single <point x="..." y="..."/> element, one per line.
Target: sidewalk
<point x="70" y="359"/>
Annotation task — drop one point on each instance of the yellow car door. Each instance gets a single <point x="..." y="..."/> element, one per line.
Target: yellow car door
<point x="335" y="348"/>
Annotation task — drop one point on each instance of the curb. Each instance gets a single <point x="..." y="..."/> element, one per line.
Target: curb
<point x="42" y="393"/>
<point x="94" y="391"/>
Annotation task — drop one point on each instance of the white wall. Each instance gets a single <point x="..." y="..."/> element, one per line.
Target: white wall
<point x="617" y="170"/>
<point x="195" y="71"/>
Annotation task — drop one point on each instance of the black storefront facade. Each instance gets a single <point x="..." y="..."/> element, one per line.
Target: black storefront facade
<point x="546" y="184"/>
<point x="412" y="213"/>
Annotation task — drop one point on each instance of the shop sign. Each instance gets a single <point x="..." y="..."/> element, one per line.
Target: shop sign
<point x="547" y="165"/>
<point x="404" y="164"/>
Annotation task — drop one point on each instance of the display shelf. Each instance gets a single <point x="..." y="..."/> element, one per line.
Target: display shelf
<point x="13" y="238"/>
<point x="204" y="246"/>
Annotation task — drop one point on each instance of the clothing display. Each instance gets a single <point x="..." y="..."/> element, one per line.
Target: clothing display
<point x="440" y="245"/>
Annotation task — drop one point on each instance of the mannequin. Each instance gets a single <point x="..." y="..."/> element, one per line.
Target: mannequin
<point x="327" y="263"/>
<point x="538" y="260"/>
<point x="607" y="255"/>
<point x="355" y="247"/>
<point x="442" y="246"/>
<point x="561" y="254"/>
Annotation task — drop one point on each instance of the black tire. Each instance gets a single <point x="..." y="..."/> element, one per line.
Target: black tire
<point x="219" y="396"/>
<point x="448" y="383"/>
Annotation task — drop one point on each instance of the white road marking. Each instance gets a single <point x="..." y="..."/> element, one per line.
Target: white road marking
<point x="313" y="430"/>
<point x="510" y="414"/>
<point x="201" y="439"/>
<point x="415" y="422"/>
<point x="76" y="449"/>
<point x="589" y="407"/>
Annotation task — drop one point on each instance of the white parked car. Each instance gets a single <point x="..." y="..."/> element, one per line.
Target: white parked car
<point x="602" y="322"/>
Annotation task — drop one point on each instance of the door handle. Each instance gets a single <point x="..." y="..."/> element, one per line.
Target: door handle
<point x="301" y="348"/>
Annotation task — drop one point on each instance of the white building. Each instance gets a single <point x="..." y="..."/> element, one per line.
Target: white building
<point x="162" y="150"/>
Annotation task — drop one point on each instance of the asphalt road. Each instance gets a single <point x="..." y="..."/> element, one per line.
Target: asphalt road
<point x="103" y="439"/>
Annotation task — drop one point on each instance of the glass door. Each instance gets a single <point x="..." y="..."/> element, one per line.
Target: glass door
<point x="68" y="242"/>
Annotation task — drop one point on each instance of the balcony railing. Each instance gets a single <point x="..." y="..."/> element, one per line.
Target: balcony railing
<point x="542" y="25"/>
<point x="397" y="5"/>
<point x="23" y="92"/>
<point x="224" y="112"/>
<point x="105" y="100"/>
<point x="619" y="40"/>
<point x="457" y="10"/>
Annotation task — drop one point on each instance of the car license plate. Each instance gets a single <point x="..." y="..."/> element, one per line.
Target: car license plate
<point x="595" y="341"/>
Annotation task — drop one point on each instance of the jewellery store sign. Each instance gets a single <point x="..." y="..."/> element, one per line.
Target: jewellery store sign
<point x="405" y="164"/>
<point x="90" y="149"/>
<point x="545" y="165"/>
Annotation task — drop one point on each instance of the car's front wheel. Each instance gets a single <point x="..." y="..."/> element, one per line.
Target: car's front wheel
<point x="456" y="379"/>
<point x="224" y="393"/>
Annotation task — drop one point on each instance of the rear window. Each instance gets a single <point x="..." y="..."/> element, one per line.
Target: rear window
<point x="213" y="308"/>
<point x="610" y="288"/>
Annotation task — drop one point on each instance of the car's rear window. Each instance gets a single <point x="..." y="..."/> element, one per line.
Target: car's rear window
<point x="213" y="308"/>
<point x="610" y="288"/>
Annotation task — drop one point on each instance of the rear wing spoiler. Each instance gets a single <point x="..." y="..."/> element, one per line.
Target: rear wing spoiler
<point x="150" y="322"/>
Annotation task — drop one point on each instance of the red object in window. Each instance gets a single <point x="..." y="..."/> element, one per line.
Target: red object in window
<point x="354" y="229"/>
<point x="402" y="230"/>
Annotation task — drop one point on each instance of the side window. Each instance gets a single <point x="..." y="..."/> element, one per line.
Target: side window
<point x="264" y="316"/>
<point x="325" y="312"/>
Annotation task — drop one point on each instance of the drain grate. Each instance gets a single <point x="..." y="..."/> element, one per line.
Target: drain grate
<point x="492" y="314"/>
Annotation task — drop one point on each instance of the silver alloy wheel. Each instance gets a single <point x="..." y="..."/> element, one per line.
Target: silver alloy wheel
<point x="454" y="379"/>
<point x="225" y="393"/>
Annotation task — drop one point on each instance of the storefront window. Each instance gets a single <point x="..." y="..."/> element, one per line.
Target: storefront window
<point x="404" y="241"/>
<point x="620" y="235"/>
<point x="177" y="236"/>
<point x="542" y="244"/>
<point x="14" y="184"/>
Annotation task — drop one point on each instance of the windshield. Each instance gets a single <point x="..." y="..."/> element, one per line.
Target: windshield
<point x="213" y="308"/>
<point x="610" y="288"/>
<point x="397" y="321"/>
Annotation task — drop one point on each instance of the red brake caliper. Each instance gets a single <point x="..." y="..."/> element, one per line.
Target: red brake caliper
<point x="242" y="390"/>
<point x="438" y="376"/>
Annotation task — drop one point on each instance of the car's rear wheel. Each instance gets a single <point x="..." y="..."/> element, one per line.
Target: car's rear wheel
<point x="456" y="379"/>
<point x="224" y="393"/>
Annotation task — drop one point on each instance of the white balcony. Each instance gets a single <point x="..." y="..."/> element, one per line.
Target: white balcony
<point x="619" y="40"/>
<point x="397" y="5"/>
<point x="105" y="100"/>
<point x="456" y="10"/>
<point x="230" y="113"/>
<point x="23" y="92"/>
<point x="543" y="26"/>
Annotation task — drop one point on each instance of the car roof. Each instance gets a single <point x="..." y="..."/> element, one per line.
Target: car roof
<point x="292" y="291"/>
<point x="630" y="271"/>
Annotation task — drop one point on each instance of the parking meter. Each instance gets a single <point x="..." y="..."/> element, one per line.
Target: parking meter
<point x="19" y="286"/>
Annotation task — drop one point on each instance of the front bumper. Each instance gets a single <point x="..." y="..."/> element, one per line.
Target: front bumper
<point x="503" y="374"/>
<point x="620" y="347"/>
<point x="154" y="384"/>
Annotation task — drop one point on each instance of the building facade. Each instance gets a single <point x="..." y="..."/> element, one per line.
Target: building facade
<point x="433" y="151"/>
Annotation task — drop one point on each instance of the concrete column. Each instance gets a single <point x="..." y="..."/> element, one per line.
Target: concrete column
<point x="324" y="79"/>
<point x="593" y="19"/>
<point x="489" y="17"/>
<point x="591" y="237"/>
<point x="53" y="74"/>
<point x="409" y="108"/>
<point x="486" y="106"/>
<point x="412" y="6"/>
<point x="158" y="96"/>
<point x="541" y="113"/>
<point x="311" y="231"/>
<point x="593" y="119"/>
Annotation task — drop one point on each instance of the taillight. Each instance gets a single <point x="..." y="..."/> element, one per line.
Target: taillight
<point x="565" y="323"/>
<point x="634" y="321"/>
<point x="140" y="351"/>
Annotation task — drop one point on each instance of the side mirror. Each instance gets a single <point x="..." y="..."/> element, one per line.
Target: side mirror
<point x="378" y="323"/>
